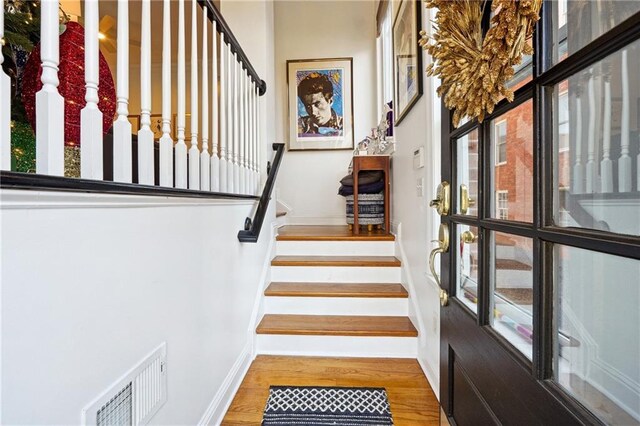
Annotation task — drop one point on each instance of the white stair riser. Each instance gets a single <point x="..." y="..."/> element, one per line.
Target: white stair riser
<point x="335" y="248"/>
<point x="513" y="278"/>
<point x="349" y="346"/>
<point x="337" y="306"/>
<point x="335" y="274"/>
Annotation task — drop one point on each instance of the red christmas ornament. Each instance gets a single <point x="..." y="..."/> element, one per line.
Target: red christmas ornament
<point x="72" y="84"/>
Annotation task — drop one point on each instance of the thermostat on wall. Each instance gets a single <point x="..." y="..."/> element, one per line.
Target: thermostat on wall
<point x="418" y="158"/>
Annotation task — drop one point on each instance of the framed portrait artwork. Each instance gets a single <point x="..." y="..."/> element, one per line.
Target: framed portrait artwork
<point x="320" y="104"/>
<point x="407" y="58"/>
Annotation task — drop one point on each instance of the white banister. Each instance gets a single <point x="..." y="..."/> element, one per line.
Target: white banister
<point x="215" y="160"/>
<point x="606" y="165"/>
<point x="194" y="153"/>
<point x="236" y="123"/>
<point x="224" y="112"/>
<point x="166" y="140"/>
<point x="181" y="147"/>
<point x="90" y="115"/>
<point x="5" y="107"/>
<point x="122" y="127"/>
<point x="49" y="102"/>
<point x="145" y="135"/>
<point x="231" y="118"/>
<point x="578" y="167"/>
<point x="242" y="131"/>
<point x="205" y="159"/>
<point x="591" y="137"/>
<point x="624" y="163"/>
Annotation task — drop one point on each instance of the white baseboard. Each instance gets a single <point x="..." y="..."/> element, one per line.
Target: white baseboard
<point x="222" y="400"/>
<point x="431" y="377"/>
<point x="615" y="385"/>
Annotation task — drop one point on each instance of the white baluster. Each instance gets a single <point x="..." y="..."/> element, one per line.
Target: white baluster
<point x="90" y="115"/>
<point x="242" y="132"/>
<point x="224" y="111"/>
<point x="145" y="135"/>
<point x="215" y="160"/>
<point x="181" y="147"/>
<point x="578" y="167"/>
<point x="122" y="127"/>
<point x="606" y="165"/>
<point x="624" y="163"/>
<point x="166" y="141"/>
<point x="237" y="75"/>
<point x="49" y="102"/>
<point x="5" y="108"/>
<point x="250" y="178"/>
<point x="256" y="173"/>
<point x="248" y="130"/>
<point x="232" y="120"/>
<point x="194" y="153"/>
<point x="259" y="144"/>
<point x="591" y="137"/>
<point x="205" y="160"/>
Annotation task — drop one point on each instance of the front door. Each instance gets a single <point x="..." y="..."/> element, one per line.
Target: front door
<point x="540" y="243"/>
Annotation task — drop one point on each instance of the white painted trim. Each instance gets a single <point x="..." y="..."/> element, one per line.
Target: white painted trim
<point x="337" y="274"/>
<point x="366" y="306"/>
<point x="265" y="279"/>
<point x="316" y="220"/>
<point x="408" y="280"/>
<point x="22" y="199"/>
<point x="335" y="248"/>
<point x="222" y="400"/>
<point x="431" y="378"/>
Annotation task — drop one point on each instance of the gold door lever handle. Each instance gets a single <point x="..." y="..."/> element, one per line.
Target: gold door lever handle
<point x="468" y="237"/>
<point x="443" y="242"/>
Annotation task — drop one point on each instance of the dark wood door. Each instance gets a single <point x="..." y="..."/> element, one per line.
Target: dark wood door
<point x="542" y="265"/>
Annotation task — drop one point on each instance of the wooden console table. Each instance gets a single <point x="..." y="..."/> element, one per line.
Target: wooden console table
<point x="371" y="162"/>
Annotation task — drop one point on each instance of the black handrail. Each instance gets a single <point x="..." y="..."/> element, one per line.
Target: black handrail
<point x="252" y="228"/>
<point x="224" y="29"/>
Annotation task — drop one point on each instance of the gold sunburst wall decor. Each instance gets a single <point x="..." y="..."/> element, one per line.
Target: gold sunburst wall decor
<point x="474" y="69"/>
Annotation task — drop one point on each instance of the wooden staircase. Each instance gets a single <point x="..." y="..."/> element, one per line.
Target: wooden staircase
<point x="335" y="294"/>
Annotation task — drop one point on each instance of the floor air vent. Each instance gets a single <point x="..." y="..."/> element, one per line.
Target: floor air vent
<point x="135" y="398"/>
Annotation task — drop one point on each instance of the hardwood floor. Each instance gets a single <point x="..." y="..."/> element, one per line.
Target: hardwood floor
<point x="329" y="233"/>
<point x="411" y="398"/>
<point x="336" y="290"/>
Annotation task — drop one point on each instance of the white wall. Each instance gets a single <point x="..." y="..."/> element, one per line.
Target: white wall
<point x="420" y="128"/>
<point x="308" y="181"/>
<point x="90" y="284"/>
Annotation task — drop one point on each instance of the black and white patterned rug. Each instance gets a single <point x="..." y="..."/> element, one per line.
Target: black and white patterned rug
<point x="309" y="405"/>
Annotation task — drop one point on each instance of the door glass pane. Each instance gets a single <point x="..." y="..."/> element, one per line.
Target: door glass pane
<point x="467" y="267"/>
<point x="579" y="22"/>
<point x="512" y="289"/>
<point x="512" y="164"/>
<point x="467" y="167"/>
<point x="597" y="143"/>
<point x="597" y="349"/>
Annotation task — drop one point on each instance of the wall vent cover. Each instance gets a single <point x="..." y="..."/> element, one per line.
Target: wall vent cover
<point x="135" y="398"/>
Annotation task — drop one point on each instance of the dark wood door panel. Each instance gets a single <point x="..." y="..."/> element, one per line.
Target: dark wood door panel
<point x="469" y="408"/>
<point x="502" y="381"/>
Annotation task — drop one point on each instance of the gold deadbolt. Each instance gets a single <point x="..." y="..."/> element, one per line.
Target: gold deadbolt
<point x="468" y="237"/>
<point x="442" y="201"/>
<point x="465" y="201"/>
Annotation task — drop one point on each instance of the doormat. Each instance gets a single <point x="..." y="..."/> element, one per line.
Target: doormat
<point x="315" y="405"/>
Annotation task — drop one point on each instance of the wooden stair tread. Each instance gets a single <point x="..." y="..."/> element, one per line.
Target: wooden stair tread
<point x="337" y="325"/>
<point x="512" y="265"/>
<point x="384" y="261"/>
<point x="336" y="290"/>
<point x="329" y="233"/>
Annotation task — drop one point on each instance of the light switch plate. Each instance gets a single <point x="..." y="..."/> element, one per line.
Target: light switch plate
<point x="420" y="187"/>
<point x="418" y="158"/>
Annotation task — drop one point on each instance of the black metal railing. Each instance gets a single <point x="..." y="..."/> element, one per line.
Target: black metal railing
<point x="252" y="227"/>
